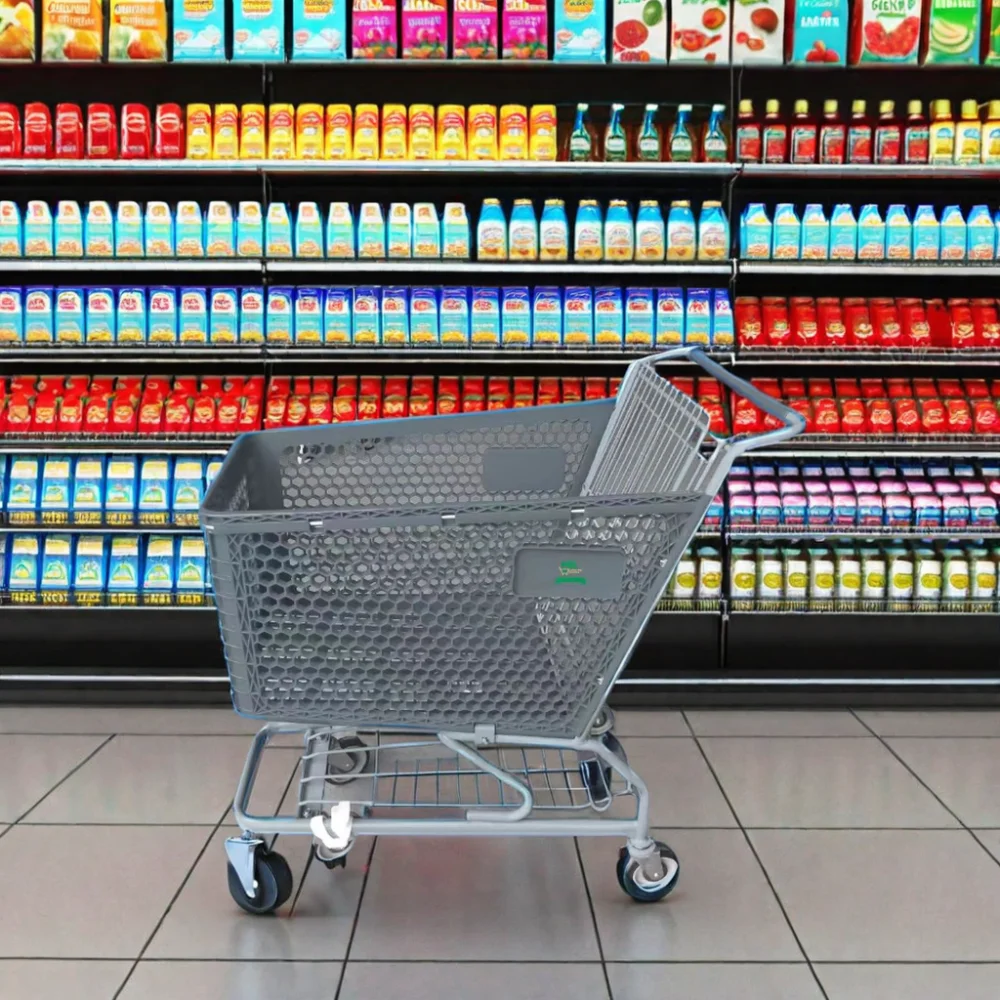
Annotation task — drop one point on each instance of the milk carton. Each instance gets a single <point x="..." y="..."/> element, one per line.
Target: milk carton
<point x="455" y="315"/>
<point x="258" y="31"/>
<point x="129" y="237"/>
<point x="11" y="241"/>
<point x="38" y="323"/>
<point x="926" y="234"/>
<point x="755" y="233"/>
<point x="220" y="236"/>
<point x="319" y="30"/>
<point x="898" y="233"/>
<point x="69" y="321"/>
<point x="39" y="238"/>
<point x="277" y="231"/>
<point x="68" y="229"/>
<point x="340" y="243"/>
<point x="786" y="240"/>
<point x="163" y="316"/>
<point x="249" y="230"/>
<point x="159" y="229"/>
<point x="130" y="316"/>
<point x="99" y="316"/>
<point x="639" y="31"/>
<point x="547" y="316"/>
<point x="699" y="33"/>
<point x="980" y="234"/>
<point x="815" y="234"/>
<point x="395" y="317"/>
<point x="337" y="316"/>
<point x="308" y="231"/>
<point x="580" y="31"/>
<point x="11" y="316"/>
<point x="223" y="316"/>
<point x="99" y="231"/>
<point x="953" y="233"/>
<point x="843" y="233"/>
<point x="190" y="230"/>
<point x="193" y="316"/>
<point x="516" y="314"/>
<point x="308" y="316"/>
<point x="251" y="315"/>
<point x="871" y="234"/>
<point x="400" y="231"/>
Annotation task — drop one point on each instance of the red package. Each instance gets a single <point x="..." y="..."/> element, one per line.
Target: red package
<point x="747" y="418"/>
<point x="297" y="411"/>
<point x="804" y="323"/>
<point x="177" y="414"/>
<point x="572" y="389"/>
<point x="128" y="383"/>
<point x="548" y="391"/>
<point x="473" y="395"/>
<point x="595" y="388"/>
<point x="370" y="398"/>
<point x="45" y="413"/>
<point x="871" y="388"/>
<point x="75" y="383"/>
<point x="949" y="388"/>
<point x="749" y="322"/>
<point x="320" y="409"/>
<point x="848" y="388"/>
<point x="878" y="413"/>
<point x="915" y="325"/>
<point x="939" y="319"/>
<point x="803" y="406"/>
<point x="923" y="387"/>
<point x="97" y="415"/>
<point x="396" y="398"/>
<point x="985" y="418"/>
<point x="975" y="388"/>
<point x="227" y="415"/>
<point x="124" y="414"/>
<point x="716" y="416"/>
<point x="683" y="383"/>
<point x="102" y="132"/>
<point x="50" y="383"/>
<point x="169" y="141"/>
<point x="302" y="386"/>
<point x="995" y="387"/>
<point x="958" y="416"/>
<point x="826" y="416"/>
<point x="987" y="323"/>
<point x="281" y="385"/>
<point x="819" y="387"/>
<point x="906" y="416"/>
<point x="932" y="416"/>
<point x="212" y="384"/>
<point x="448" y="394"/>
<point x="70" y="414"/>
<point x="832" y="331"/>
<point x="613" y="385"/>
<point x="854" y="416"/>
<point x="524" y="392"/>
<point x="158" y="386"/>
<point x="792" y="387"/>
<point x="963" y="326"/>
<point x="10" y="132"/>
<point x="421" y="396"/>
<point x="896" y="387"/>
<point x="250" y="414"/>
<point x="857" y="316"/>
<point x="37" y="131"/>
<point x="151" y="414"/>
<point x="203" y="415"/>
<point x="19" y="413"/>
<point x="323" y="383"/>
<point x="499" y="394"/>
<point x="777" y="328"/>
<point x="22" y="383"/>
<point x="274" y="413"/>
<point x="887" y="324"/>
<point x="68" y="132"/>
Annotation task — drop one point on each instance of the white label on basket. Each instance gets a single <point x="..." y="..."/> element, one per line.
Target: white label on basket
<point x="558" y="571"/>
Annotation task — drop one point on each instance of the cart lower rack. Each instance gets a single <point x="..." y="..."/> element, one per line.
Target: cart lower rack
<point x="480" y="579"/>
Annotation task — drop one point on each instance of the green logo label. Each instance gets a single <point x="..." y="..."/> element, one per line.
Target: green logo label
<point x="569" y="572"/>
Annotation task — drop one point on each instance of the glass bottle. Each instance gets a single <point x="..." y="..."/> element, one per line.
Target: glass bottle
<point x="916" y="136"/>
<point x="581" y="139"/>
<point x="682" y="136"/>
<point x="803" y="135"/>
<point x="941" y="141"/>
<point x="615" y="145"/>
<point x="774" y="135"/>
<point x="748" y="140"/>
<point x="990" y="151"/>
<point x="832" y="134"/>
<point x="649" y="145"/>
<point x="968" y="134"/>
<point x="715" y="142"/>
<point x="888" y="134"/>
<point x="859" y="134"/>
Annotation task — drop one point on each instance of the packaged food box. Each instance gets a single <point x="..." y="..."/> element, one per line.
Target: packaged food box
<point x="68" y="230"/>
<point x="547" y="316"/>
<point x="162" y="325"/>
<point x="17" y="33"/>
<point x="759" y="32"/>
<point x="193" y="316"/>
<point x="23" y="569"/>
<point x="337" y="328"/>
<point x="886" y="33"/>
<point x="424" y="322"/>
<point x="639" y="317"/>
<point x="952" y="32"/>
<point x="308" y="231"/>
<point x="192" y="570"/>
<point x="11" y="244"/>
<point x="526" y="29"/>
<point x="639" y="31"/>
<point x="395" y="317"/>
<point x="39" y="327"/>
<point x="669" y="317"/>
<point x="120" y="490"/>
<point x="454" y="313"/>
<point x="425" y="29"/>
<point x="72" y="30"/>
<point x="137" y="30"/>
<point x="373" y="29"/>
<point x="474" y="29"/>
<point x="580" y="31"/>
<point x="609" y="322"/>
<point x="278" y="316"/>
<point x="485" y="319"/>
<point x="516" y="313"/>
<point x="258" y="31"/>
<point x="818" y="30"/>
<point x="220" y="230"/>
<point x="319" y="30"/>
<point x="39" y="236"/>
<point x="367" y="317"/>
<point x="158" y="570"/>
<point x="153" y="503"/>
<point x="199" y="28"/>
<point x="90" y="565"/>
<point x="700" y="32"/>
<point x="69" y="317"/>
<point x="98" y="231"/>
<point x="578" y="317"/>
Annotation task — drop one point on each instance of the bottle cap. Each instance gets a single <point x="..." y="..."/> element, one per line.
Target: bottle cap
<point x="993" y="110"/>
<point x="617" y="203"/>
<point x="829" y="107"/>
<point x="617" y="107"/>
<point x="711" y="204"/>
<point x="914" y="107"/>
<point x="772" y="106"/>
<point x="556" y="202"/>
<point x="653" y="203"/>
<point x="583" y="107"/>
<point x="941" y="108"/>
<point x="684" y="108"/>
<point x="720" y="108"/>
<point x="802" y="107"/>
<point x="857" y="107"/>
<point x="588" y="202"/>
<point x="522" y="201"/>
<point x="970" y="109"/>
<point x="746" y="106"/>
<point x="491" y="201"/>
<point x="680" y="204"/>
<point x="886" y="107"/>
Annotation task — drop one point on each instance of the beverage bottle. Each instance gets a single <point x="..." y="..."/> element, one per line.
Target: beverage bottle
<point x="916" y="136"/>
<point x="615" y="144"/>
<point x="968" y="134"/>
<point x="681" y="142"/>
<point x="588" y="232"/>
<point x="714" y="140"/>
<point x="650" y="232"/>
<point x="774" y="135"/>
<point x="522" y="231"/>
<point x="888" y="134"/>
<point x="859" y="135"/>
<point x="803" y="135"/>
<point x="748" y="140"/>
<point x="650" y="142"/>
<point x="553" y="231"/>
<point x="832" y="135"/>
<point x="581" y="139"/>
<point x="991" y="134"/>
<point x="941" y="141"/>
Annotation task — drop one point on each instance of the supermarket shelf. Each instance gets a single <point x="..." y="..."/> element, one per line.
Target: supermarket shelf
<point x="150" y="167"/>
<point x="853" y="356"/>
<point x="469" y="355"/>
<point x="927" y="174"/>
<point x="142" y="353"/>
<point x="870" y="268"/>
<point x="115" y="445"/>
<point x="494" y="268"/>
<point x="866" y="532"/>
<point x="119" y="265"/>
<point x="927" y="445"/>
<point x="93" y="529"/>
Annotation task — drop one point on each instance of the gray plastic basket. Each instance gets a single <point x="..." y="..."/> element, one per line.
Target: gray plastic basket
<point x="443" y="573"/>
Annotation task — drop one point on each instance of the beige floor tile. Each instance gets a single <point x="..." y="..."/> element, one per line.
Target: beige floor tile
<point x="762" y="723"/>
<point x="233" y="981"/>
<point x="637" y="722"/>
<point x="910" y="982"/>
<point x="131" y="719"/>
<point x="42" y="979"/>
<point x="940" y="723"/>
<point x="654" y="981"/>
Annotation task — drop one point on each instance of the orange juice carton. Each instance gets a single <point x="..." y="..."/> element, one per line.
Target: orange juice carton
<point x="455" y="315"/>
<point x="843" y="233"/>
<point x="69" y="322"/>
<point x="475" y="33"/>
<point x="72" y="30"/>
<point x="278" y="316"/>
<point x="395" y="317"/>
<point x="280" y="132"/>
<point x="199" y="132"/>
<point x="162" y="316"/>
<point x="251" y="315"/>
<point x="223" y="316"/>
<point x="68" y="229"/>
<point x="371" y="231"/>
<point x="451" y="132"/>
<point x="366" y="132"/>
<point x="200" y="31"/>
<point x="759" y="32"/>
<point x="367" y="325"/>
<point x="542" y="126"/>
<point x="400" y="230"/>
<point x="192" y="319"/>
<point x="129" y="236"/>
<point x="309" y="132"/>
<point x="17" y="30"/>
<point x="339" y="131"/>
<point x="98" y="231"/>
<point x="953" y="234"/>
<point x="100" y="316"/>
<point x="980" y="234"/>
<point x="513" y="132"/>
<point x="455" y="235"/>
<point x="220" y="230"/>
<point x="319" y="30"/>
<point x="609" y="317"/>
<point x="580" y="31"/>
<point x="699" y="32"/>
<point x="525" y="29"/>
<point x="373" y="29"/>
<point x="815" y="233"/>
<point x="190" y="230"/>
<point x="425" y="29"/>
<point x="253" y="145"/>
<point x="426" y="231"/>
<point x="137" y="30"/>
<point x="898" y="233"/>
<point x="482" y="132"/>
<point x="547" y="316"/>
<point x="258" y="31"/>
<point x="394" y="132"/>
<point x="639" y="31"/>
<point x="11" y="316"/>
<point x="39" y="238"/>
<point x="337" y="316"/>
<point x="249" y="229"/>
<point x="308" y="230"/>
<point x="277" y="231"/>
<point x="11" y="244"/>
<point x="926" y="234"/>
<point x="340" y="241"/>
<point x="871" y="234"/>
<point x="422" y="134"/>
<point x="225" y="132"/>
<point x="308" y="316"/>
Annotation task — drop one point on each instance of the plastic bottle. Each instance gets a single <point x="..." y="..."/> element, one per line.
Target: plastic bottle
<point x="748" y="138"/>
<point x="581" y="139"/>
<point x="682" y="136"/>
<point x="859" y="134"/>
<point x="774" y="135"/>
<point x="968" y="134"/>
<point x="802" y="140"/>
<point x="990" y="151"/>
<point x="491" y="233"/>
<point x="522" y="239"/>
<point x="588" y="232"/>
<point x="650" y="232"/>
<point x="916" y="136"/>
<point x="941" y="141"/>
<point x="681" y="232"/>
<point x="832" y="134"/>
<point x="888" y="134"/>
<point x="649" y="145"/>
<point x="615" y="144"/>
<point x="553" y="231"/>
<point x="619" y="232"/>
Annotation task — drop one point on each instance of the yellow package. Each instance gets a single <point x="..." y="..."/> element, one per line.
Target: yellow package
<point x="394" y="132"/>
<point x="422" y="146"/>
<point x="72" y="30"/>
<point x="451" y="133"/>
<point x="513" y="132"/>
<point x="199" y="132"/>
<point x="253" y="119"/>
<point x="17" y="30"/>
<point x="339" y="122"/>
<point x="226" y="133"/>
<point x="309" y="137"/>
<point x="483" y="132"/>
<point x="280" y="131"/>
<point x="137" y="30"/>
<point x="366" y="132"/>
<point x="542" y="133"/>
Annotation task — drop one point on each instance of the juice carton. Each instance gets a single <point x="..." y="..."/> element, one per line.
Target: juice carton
<point x="474" y="29"/>
<point x="251" y="315"/>
<point x="99" y="316"/>
<point x="249" y="229"/>
<point x="980" y="234"/>
<point x="258" y="31"/>
<point x="339" y="132"/>
<point x="543" y="133"/>
<point x="713" y="232"/>
<point x="755" y="233"/>
<point x="278" y="316"/>
<point x="68" y="230"/>
<point x="158" y="570"/>
<point x="886" y="32"/>
<point x="337" y="316"/>
<point x="98" y="231"/>
<point x="200" y="31"/>
<point x="424" y="324"/>
<point x="371" y="231"/>
<point x="191" y="572"/>
<point x="120" y="489"/>
<point x="309" y="132"/>
<point x="281" y="131"/>
<point x="277" y="231"/>
<point x="609" y="320"/>
<point x="482" y="138"/>
<point x="669" y="317"/>
<point x="11" y="316"/>
<point x="163" y="316"/>
<point x="39" y="238"/>
<point x="516" y="314"/>
<point x="395" y="317"/>
<point x="253" y="126"/>
<point x="926" y="234"/>
<point x="72" y="32"/>
<point x="198" y="137"/>
<point x="154" y="490"/>
<point x="526" y="29"/>
<point x="394" y="132"/>
<point x="367" y="317"/>
<point x="815" y="234"/>
<point x="137" y="30"/>
<point x="319" y="30"/>
<point x="309" y="230"/>
<point x="373" y="29"/>
<point x="722" y="319"/>
<point x="69" y="324"/>
<point x="580" y="31"/>
<point x="639" y="313"/>
<point x="55" y="494"/>
<point x="454" y="312"/>
<point x="843" y="233"/>
<point x="952" y="32"/>
<point x="699" y="34"/>
<point x="422" y="140"/>
<point x="88" y="490"/>
<point x="698" y="317"/>
<point x="223" y="316"/>
<point x="759" y="32"/>
<point x="455" y="234"/>
<point x="818" y="30"/>
<point x="340" y="232"/>
<point x="578" y="317"/>
<point x="23" y="489"/>
<point x="639" y="31"/>
<point x="308" y="316"/>
<point x="190" y="230"/>
<point x="451" y="137"/>
<point x="991" y="33"/>
<point x="366" y="132"/>
<point x="953" y="233"/>
<point x="220" y="240"/>
<point x="38" y="324"/>
<point x="128" y="230"/>
<point x="871" y="234"/>
<point x="898" y="233"/>
<point x="24" y="569"/>
<point x="11" y="243"/>
<point x="786" y="239"/>
<point x="425" y="29"/>
<point x="17" y="43"/>
<point x="158" y="230"/>
<point x="130" y="316"/>
<point x="193" y="316"/>
<point x="400" y="230"/>
<point x="485" y="317"/>
<point x="187" y="490"/>
<point x="547" y="316"/>
<point x="426" y="231"/>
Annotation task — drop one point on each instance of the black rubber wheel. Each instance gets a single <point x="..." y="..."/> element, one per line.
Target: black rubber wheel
<point x="274" y="884"/>
<point x="358" y="758"/>
<point x="596" y="778"/>
<point x="626" y="872"/>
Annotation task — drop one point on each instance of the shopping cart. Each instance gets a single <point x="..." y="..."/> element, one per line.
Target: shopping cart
<point x="479" y="580"/>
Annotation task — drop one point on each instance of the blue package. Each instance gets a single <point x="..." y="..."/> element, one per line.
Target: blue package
<point x="578" y="317"/>
<point x="223" y="316"/>
<point x="39" y="327"/>
<point x="54" y="501"/>
<point x="609" y="318"/>
<point x="120" y="489"/>
<point x="515" y="317"/>
<point x="723" y="334"/>
<point x="319" y="30"/>
<point x="191" y="570"/>
<point x="366" y="313"/>
<point x="164" y="316"/>
<point x="100" y="316"/>
<point x="251" y="315"/>
<point x="395" y="317"/>
<point x="308" y="316"/>
<point x="23" y="569"/>
<point x="199" y="29"/>
<point x="278" y="316"/>
<point x="192" y="324"/>
<point x="337" y="316"/>
<point x="87" y="505"/>
<point x="424" y="323"/>
<point x="11" y="316"/>
<point x="669" y="317"/>
<point x="258" y="31"/>
<point x="69" y="316"/>
<point x="23" y="489"/>
<point x="130" y="316"/>
<point x="455" y="315"/>
<point x="485" y="317"/>
<point x="188" y="489"/>
<point x="90" y="569"/>
<point x="154" y="490"/>
<point x="158" y="570"/>
<point x="57" y="569"/>
<point x="123" y="570"/>
<point x="698" y="318"/>
<point x="640" y="312"/>
<point x="546" y="317"/>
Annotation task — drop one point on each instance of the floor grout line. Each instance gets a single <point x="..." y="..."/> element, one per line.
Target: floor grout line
<point x="357" y="917"/>
<point x="593" y="917"/>
<point x="791" y="963"/>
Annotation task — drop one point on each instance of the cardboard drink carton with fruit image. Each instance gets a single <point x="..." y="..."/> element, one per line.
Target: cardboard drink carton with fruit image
<point x="700" y="31"/>
<point x="640" y="31"/>
<point x="951" y="32"/>
<point x="886" y="31"/>
<point x="17" y="30"/>
<point x="816" y="32"/>
<point x="759" y="31"/>
<point x="137" y="30"/>
<point x="72" y="30"/>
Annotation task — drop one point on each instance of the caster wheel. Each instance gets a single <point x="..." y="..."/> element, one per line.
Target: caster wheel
<point x="633" y="882"/>
<point x="597" y="775"/>
<point x="330" y="863"/>
<point x="345" y="767"/>
<point x="274" y="884"/>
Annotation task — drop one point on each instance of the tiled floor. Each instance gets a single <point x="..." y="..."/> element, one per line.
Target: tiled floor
<point x="837" y="855"/>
